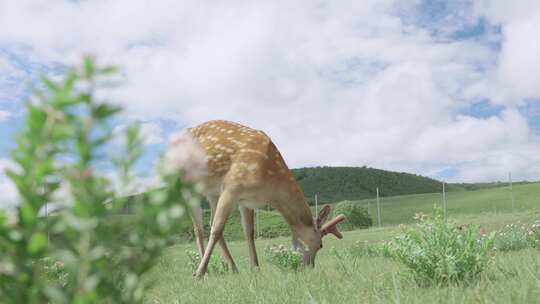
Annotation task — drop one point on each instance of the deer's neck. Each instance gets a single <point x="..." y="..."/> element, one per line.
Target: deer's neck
<point x="295" y="210"/>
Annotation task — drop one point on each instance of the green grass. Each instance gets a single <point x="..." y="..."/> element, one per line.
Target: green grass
<point x="401" y="209"/>
<point x="514" y="277"/>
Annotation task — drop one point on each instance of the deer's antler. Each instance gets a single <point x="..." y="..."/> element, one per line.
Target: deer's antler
<point x="331" y="226"/>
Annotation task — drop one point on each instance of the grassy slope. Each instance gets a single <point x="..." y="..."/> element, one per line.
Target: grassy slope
<point x="513" y="278"/>
<point x="401" y="209"/>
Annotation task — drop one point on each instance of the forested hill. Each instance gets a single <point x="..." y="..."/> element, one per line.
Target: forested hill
<point x="334" y="184"/>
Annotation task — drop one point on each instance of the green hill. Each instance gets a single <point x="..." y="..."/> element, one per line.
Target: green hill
<point x="334" y="184"/>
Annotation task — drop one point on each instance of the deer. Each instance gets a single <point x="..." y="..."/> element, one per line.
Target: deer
<point x="238" y="166"/>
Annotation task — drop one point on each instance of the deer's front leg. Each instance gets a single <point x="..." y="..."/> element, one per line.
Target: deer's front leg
<point x="224" y="249"/>
<point x="248" y="216"/>
<point x="223" y="209"/>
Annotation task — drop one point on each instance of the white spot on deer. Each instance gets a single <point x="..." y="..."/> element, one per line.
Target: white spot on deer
<point x="253" y="167"/>
<point x="247" y="150"/>
<point x="230" y="131"/>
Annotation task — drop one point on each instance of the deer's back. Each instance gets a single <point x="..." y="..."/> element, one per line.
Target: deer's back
<point x="242" y="157"/>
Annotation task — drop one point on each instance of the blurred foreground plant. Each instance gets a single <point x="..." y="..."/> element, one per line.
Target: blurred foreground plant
<point x="93" y="255"/>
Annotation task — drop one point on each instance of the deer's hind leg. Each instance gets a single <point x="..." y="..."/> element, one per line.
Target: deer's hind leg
<point x="197" y="219"/>
<point x="248" y="221"/>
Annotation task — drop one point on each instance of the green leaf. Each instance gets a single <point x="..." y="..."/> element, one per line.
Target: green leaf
<point x="18" y="180"/>
<point x="103" y="111"/>
<point x="132" y="134"/>
<point x="87" y="298"/>
<point x="3" y="217"/>
<point x="36" y="117"/>
<point x="88" y="67"/>
<point x="37" y="243"/>
<point x="69" y="83"/>
<point x="28" y="214"/>
<point x="108" y="70"/>
<point x="49" y="84"/>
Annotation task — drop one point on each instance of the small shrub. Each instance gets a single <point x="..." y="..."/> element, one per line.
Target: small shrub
<point x="533" y="235"/>
<point x="357" y="215"/>
<point x="283" y="258"/>
<point x="440" y="252"/>
<point x="511" y="237"/>
<point x="216" y="265"/>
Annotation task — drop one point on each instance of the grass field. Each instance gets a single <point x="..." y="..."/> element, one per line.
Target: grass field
<point x="514" y="277"/>
<point x="401" y="209"/>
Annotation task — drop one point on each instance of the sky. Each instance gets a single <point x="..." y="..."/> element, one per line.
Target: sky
<point x="445" y="89"/>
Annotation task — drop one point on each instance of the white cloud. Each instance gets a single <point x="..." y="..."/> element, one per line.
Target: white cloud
<point x="4" y="115"/>
<point x="314" y="75"/>
<point x="518" y="67"/>
<point x="151" y="133"/>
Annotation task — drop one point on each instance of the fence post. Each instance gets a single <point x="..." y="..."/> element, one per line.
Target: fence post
<point x="378" y="209"/>
<point x="444" y="200"/>
<point x="511" y="191"/>
<point x="316" y="204"/>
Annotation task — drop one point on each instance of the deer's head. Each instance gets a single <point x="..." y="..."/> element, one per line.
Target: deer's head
<point x="308" y="239"/>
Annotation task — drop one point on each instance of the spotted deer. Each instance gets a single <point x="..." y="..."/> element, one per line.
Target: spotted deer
<point x="242" y="167"/>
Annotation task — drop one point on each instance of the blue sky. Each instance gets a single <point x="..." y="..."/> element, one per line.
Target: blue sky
<point x="447" y="89"/>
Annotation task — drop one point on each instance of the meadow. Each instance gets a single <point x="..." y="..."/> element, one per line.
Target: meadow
<point x="401" y="209"/>
<point x="513" y="277"/>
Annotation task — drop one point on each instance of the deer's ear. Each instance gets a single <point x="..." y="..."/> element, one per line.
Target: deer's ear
<point x="323" y="214"/>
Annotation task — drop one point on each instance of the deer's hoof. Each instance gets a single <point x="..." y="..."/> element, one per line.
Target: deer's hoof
<point x="198" y="275"/>
<point x="256" y="268"/>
